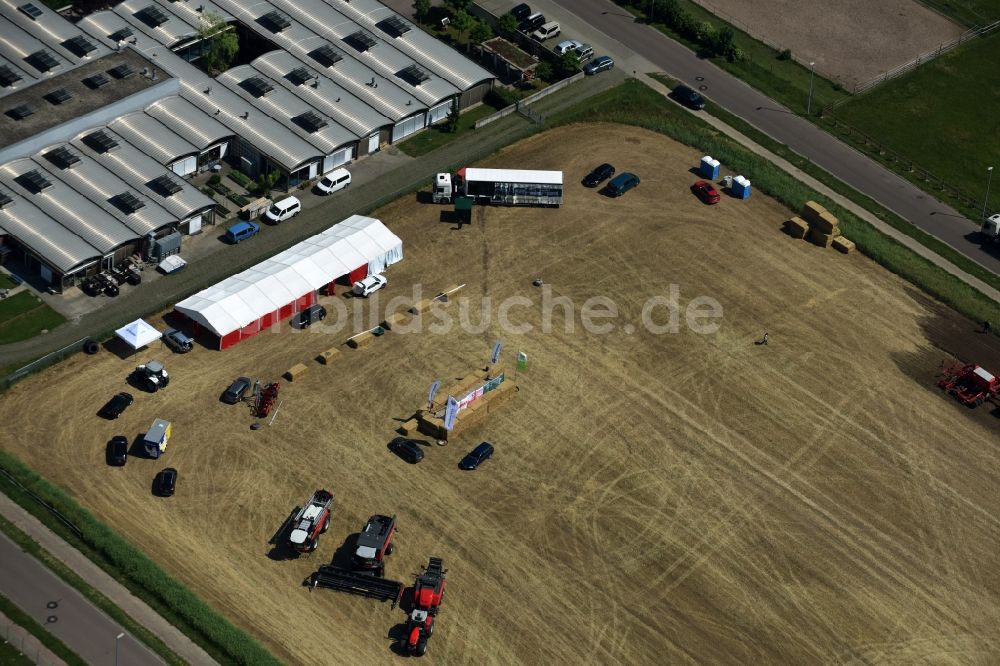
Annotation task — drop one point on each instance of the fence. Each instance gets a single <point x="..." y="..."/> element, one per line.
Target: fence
<point x="519" y="107"/>
<point x="30" y="647"/>
<point x="49" y="359"/>
<point x="906" y="164"/>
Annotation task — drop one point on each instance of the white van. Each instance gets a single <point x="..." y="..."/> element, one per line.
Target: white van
<point x="547" y="31"/>
<point x="336" y="180"/>
<point x="284" y="209"/>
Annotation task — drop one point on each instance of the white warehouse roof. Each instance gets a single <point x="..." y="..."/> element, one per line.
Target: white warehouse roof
<point x="513" y="176"/>
<point x="245" y="297"/>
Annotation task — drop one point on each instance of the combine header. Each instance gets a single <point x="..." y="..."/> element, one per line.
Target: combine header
<point x="312" y="520"/>
<point x="365" y="577"/>
<point x="972" y="385"/>
<point x="428" y="593"/>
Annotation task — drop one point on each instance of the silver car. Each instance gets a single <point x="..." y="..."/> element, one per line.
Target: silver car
<point x="177" y="341"/>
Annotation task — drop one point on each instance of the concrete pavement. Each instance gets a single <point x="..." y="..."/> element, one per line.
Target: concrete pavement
<point x="806" y="139"/>
<point x="68" y="615"/>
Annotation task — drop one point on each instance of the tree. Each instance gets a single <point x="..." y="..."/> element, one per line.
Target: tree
<point x="457" y="6"/>
<point x="421" y="8"/>
<point x="222" y="43"/>
<point x="544" y="71"/>
<point x="568" y="65"/>
<point x="725" y="42"/>
<point x="481" y="31"/>
<point x="463" y="22"/>
<point x="452" y="122"/>
<point x="507" y="25"/>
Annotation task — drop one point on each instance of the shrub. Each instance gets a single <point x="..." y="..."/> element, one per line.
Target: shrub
<point x="214" y="179"/>
<point x="240" y="178"/>
<point x="502" y="97"/>
<point x="785" y="55"/>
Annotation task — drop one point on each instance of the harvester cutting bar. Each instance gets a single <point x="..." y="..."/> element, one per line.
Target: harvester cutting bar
<point x="335" y="578"/>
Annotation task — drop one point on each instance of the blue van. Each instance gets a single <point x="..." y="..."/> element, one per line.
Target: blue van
<point x="622" y="183"/>
<point x="241" y="231"/>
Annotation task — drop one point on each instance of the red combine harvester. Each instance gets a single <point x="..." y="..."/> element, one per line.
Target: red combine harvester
<point x="311" y="520"/>
<point x="365" y="577"/>
<point x="971" y="384"/>
<point x="428" y="592"/>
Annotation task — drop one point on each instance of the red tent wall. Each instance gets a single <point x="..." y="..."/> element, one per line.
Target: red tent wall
<point x="359" y="273"/>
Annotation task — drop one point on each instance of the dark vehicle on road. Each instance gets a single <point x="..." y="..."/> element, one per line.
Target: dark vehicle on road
<point x="407" y="449"/>
<point x="598" y="64"/>
<point x="116" y="405"/>
<point x="704" y="191"/>
<point x="477" y="456"/>
<point x="117" y="452"/>
<point x="236" y="390"/>
<point x="689" y="98"/>
<point x="165" y="482"/>
<point x="599" y="175"/>
<point x="308" y="316"/>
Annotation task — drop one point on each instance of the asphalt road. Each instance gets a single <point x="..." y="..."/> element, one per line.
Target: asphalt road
<point x="66" y="614"/>
<point x="850" y="166"/>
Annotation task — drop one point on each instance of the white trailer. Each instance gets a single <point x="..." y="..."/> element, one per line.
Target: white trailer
<point x="502" y="187"/>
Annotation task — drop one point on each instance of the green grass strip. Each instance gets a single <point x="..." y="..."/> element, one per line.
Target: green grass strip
<point x="24" y="316"/>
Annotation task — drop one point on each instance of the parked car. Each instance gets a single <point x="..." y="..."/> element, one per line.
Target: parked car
<point x="117" y="451"/>
<point x="533" y="22"/>
<point x="521" y="12"/>
<point x="369" y="285"/>
<point x="116" y="405"/>
<point x="236" y="390"/>
<point x="599" y="175"/>
<point x="689" y="98"/>
<point x="306" y="318"/>
<point x="622" y="183"/>
<point x="598" y="64"/>
<point x="407" y="449"/>
<point x="704" y="191"/>
<point x="334" y="181"/>
<point x="584" y="52"/>
<point x="283" y="210"/>
<point x="177" y="341"/>
<point x="564" y="47"/>
<point x="241" y="231"/>
<point x="546" y="31"/>
<point x="477" y="456"/>
<point x="165" y="482"/>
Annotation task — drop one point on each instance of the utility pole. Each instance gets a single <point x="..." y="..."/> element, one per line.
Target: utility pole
<point x="986" y="201"/>
<point x="809" y="103"/>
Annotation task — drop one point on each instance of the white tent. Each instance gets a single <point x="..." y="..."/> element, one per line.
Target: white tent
<point x="264" y="289"/>
<point x="138" y="334"/>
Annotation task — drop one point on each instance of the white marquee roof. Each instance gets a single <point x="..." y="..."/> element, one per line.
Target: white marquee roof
<point x="138" y="334"/>
<point x="245" y="297"/>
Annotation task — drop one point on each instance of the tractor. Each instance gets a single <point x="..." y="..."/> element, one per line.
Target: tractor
<point x="428" y="593"/>
<point x="972" y="385"/>
<point x="151" y="377"/>
<point x="311" y="521"/>
<point x="374" y="543"/>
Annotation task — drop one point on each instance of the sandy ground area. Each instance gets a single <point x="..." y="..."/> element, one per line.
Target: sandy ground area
<point x="655" y="498"/>
<point x="851" y="41"/>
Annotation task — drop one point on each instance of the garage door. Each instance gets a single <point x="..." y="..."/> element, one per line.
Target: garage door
<point x="407" y="127"/>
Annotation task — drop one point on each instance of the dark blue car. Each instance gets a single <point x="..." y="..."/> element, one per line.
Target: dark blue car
<point x="477" y="456"/>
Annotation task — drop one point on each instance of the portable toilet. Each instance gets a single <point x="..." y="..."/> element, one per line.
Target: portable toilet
<point x="741" y="187"/>
<point x="155" y="440"/>
<point x="709" y="168"/>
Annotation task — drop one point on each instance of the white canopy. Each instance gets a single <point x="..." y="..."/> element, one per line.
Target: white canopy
<point x="138" y="334"/>
<point x="245" y="297"/>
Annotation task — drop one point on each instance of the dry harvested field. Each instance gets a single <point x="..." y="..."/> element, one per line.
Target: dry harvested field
<point x="851" y="41"/>
<point x="655" y="498"/>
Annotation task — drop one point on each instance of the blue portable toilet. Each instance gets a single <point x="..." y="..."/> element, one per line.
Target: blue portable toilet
<point x="709" y="168"/>
<point x="741" y="187"/>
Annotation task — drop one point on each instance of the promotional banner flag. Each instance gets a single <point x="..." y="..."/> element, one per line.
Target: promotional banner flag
<point x="450" y="412"/>
<point x="433" y="392"/>
<point x="495" y="356"/>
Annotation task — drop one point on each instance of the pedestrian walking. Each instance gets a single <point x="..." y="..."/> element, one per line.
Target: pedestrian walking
<point x="762" y="341"/>
<point x="986" y="327"/>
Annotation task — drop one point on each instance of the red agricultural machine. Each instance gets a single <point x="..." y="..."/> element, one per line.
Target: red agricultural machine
<point x="266" y="397"/>
<point x="312" y="520"/>
<point x="428" y="593"/>
<point x="972" y="385"/>
<point x="365" y="577"/>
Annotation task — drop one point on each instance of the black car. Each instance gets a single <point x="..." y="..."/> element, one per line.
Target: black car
<point x="599" y="175"/>
<point x="165" y="482"/>
<point x="407" y="449"/>
<point x="116" y="406"/>
<point x="521" y="12"/>
<point x="532" y="23"/>
<point x="308" y="316"/>
<point x="236" y="390"/>
<point x="477" y="456"/>
<point x="117" y="452"/>
<point x="689" y="98"/>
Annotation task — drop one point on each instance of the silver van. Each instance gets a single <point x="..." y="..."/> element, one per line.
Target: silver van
<point x="584" y="52"/>
<point x="284" y="209"/>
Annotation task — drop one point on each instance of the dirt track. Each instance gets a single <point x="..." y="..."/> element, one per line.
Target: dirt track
<point x="654" y="499"/>
<point x="851" y="41"/>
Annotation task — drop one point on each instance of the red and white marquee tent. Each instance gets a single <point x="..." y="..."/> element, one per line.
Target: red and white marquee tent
<point x="245" y="304"/>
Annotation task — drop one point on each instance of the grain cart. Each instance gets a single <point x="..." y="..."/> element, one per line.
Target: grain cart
<point x="972" y="385"/>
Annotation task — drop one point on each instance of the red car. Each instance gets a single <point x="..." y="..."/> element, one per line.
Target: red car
<point x="704" y="191"/>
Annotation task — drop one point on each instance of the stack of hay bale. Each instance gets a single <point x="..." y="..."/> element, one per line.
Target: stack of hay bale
<point x="819" y="226"/>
